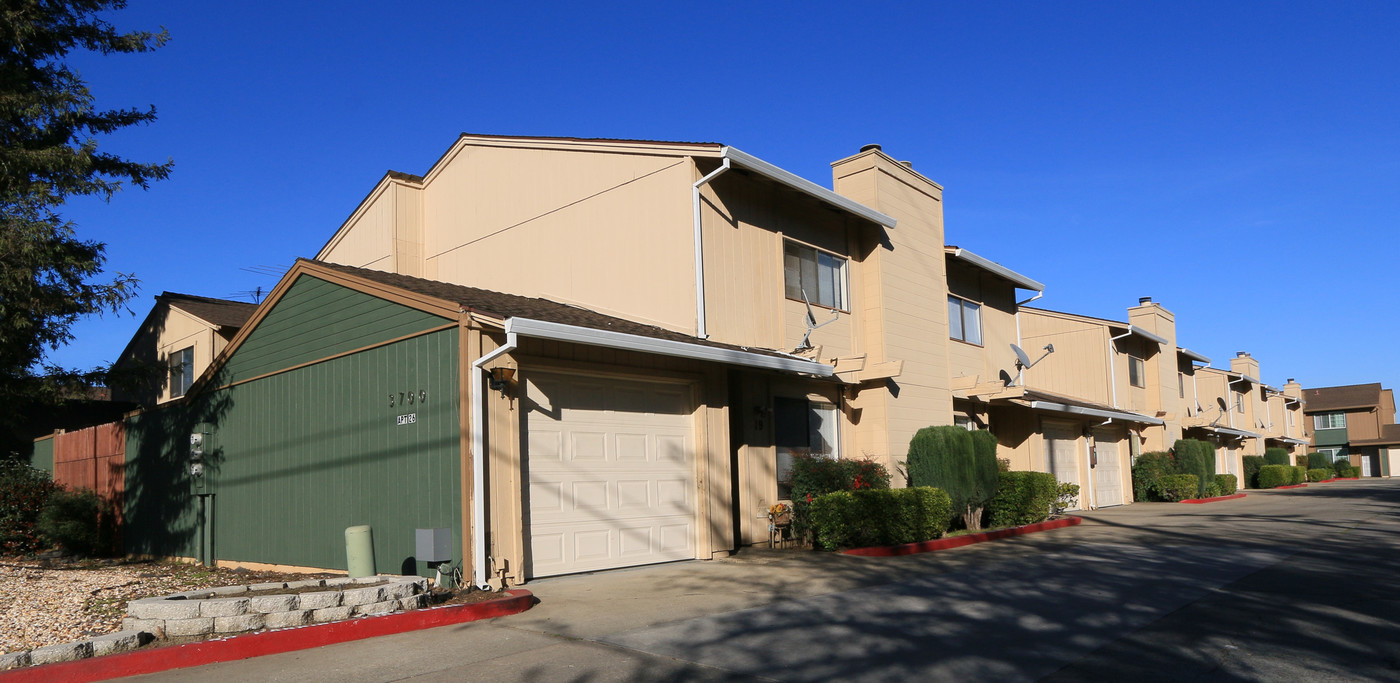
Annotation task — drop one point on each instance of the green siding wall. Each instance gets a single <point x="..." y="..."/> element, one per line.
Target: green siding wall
<point x="297" y="457"/>
<point x="1331" y="437"/>
<point x="43" y="456"/>
<point x="316" y="319"/>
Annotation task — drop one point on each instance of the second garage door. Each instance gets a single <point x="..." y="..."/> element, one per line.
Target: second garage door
<point x="1108" y="472"/>
<point x="611" y="473"/>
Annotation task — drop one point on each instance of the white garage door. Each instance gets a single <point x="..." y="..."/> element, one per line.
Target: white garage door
<point x="1061" y="451"/>
<point x="1108" y="473"/>
<point x="611" y="466"/>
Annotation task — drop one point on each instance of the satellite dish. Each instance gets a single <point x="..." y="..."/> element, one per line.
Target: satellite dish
<point x="1221" y="400"/>
<point x="1021" y="356"/>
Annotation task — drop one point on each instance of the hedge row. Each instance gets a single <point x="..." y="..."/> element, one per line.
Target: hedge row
<point x="1252" y="463"/>
<point x="877" y="517"/>
<point x="1022" y="498"/>
<point x="1228" y="484"/>
<point x="1274" y="476"/>
<point x="1319" y="474"/>
<point x="1176" y="487"/>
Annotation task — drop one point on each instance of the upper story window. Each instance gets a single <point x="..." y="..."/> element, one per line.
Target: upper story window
<point x="1239" y="403"/>
<point x="1288" y="415"/>
<point x="818" y="274"/>
<point x="181" y="371"/>
<point x="1137" y="372"/>
<point x="1181" y="385"/>
<point x="1330" y="421"/>
<point x="964" y="320"/>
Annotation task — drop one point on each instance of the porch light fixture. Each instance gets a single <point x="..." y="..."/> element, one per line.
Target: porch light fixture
<point x="500" y="379"/>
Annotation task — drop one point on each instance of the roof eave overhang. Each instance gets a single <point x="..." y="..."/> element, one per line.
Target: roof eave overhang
<point x="542" y="329"/>
<point x="1192" y="355"/>
<point x="752" y="163"/>
<point x="997" y="269"/>
<point x="1287" y="439"/>
<point x="1234" y="432"/>
<point x="1134" y="329"/>
<point x="1095" y="412"/>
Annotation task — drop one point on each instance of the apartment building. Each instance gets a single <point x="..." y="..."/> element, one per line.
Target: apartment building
<point x="1357" y="422"/>
<point x="176" y="342"/>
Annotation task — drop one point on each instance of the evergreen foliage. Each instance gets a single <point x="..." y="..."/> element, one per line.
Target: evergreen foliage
<point x="24" y="491"/>
<point x="1149" y="468"/>
<point x="879" y="517"/>
<point x="1342" y="466"/>
<point x="49" y="154"/>
<point x="1274" y="476"/>
<point x="1252" y="463"/>
<point x="1227" y="483"/>
<point x="961" y="463"/>
<point x="1176" y="487"/>
<point x="1022" y="498"/>
<point x="1277" y="456"/>
<point x="1319" y="461"/>
<point x="1198" y="458"/>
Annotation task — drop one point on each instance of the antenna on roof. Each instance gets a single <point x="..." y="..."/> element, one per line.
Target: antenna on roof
<point x="270" y="271"/>
<point x="1023" y="361"/>
<point x="255" y="294"/>
<point x="812" y="323"/>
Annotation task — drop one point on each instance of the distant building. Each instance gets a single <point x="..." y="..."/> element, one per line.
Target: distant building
<point x="1357" y="422"/>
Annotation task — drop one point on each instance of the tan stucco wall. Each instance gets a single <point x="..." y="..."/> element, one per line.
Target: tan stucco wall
<point x="167" y="330"/>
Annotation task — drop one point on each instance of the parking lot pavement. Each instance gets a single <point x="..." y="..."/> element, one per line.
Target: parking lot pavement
<point x="1281" y="584"/>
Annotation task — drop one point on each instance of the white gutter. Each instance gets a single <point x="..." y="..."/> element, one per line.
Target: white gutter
<point x="1021" y="371"/>
<point x="1095" y="412"/>
<point x="479" y="573"/>
<point x="999" y="270"/>
<point x="1112" y="371"/>
<point x="700" y="329"/>
<point x="1134" y="329"/>
<point x="541" y="329"/>
<point x="1193" y="355"/>
<point x="1235" y="432"/>
<point x="805" y="186"/>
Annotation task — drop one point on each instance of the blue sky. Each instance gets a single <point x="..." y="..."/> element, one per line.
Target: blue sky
<point x="1212" y="155"/>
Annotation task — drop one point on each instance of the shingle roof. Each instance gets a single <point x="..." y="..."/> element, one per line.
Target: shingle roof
<point x="221" y="312"/>
<point x="1341" y="398"/>
<point x="500" y="305"/>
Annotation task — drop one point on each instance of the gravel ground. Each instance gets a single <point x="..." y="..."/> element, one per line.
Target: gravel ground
<point x="46" y="603"/>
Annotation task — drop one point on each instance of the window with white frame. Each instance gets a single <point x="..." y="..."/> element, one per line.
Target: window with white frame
<point x="1330" y="421"/>
<point x="964" y="320"/>
<point x="965" y="422"/>
<point x="1288" y="415"/>
<point x="181" y="371"/>
<point x="1239" y="402"/>
<point x="801" y="427"/>
<point x="1181" y="384"/>
<point x="819" y="275"/>
<point x="1137" y="372"/>
<point x="1331" y="453"/>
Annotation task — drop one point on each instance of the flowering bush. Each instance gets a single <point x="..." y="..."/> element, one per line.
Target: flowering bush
<point x="815" y="475"/>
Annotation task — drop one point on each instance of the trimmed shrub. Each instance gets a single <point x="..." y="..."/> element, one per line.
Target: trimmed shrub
<point x="1319" y="461"/>
<point x="815" y="475"/>
<point x="1174" y="487"/>
<point x="1196" y="457"/>
<point x="24" y="491"/>
<point x="1319" y="474"/>
<point x="78" y="521"/>
<point x="1277" y="456"/>
<point x="1354" y="473"/>
<point x="1149" y="468"/>
<point x="1213" y="490"/>
<point x="1299" y="474"/>
<point x="1066" y="497"/>
<point x="1022" y="498"/>
<point x="1252" y="463"/>
<point x="1227" y="483"/>
<point x="961" y="463"/>
<point x="876" y="517"/>
<point x="1274" y="476"/>
<point x="1341" y="466"/>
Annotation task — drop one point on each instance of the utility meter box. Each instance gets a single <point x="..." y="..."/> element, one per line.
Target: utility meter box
<point x="433" y="545"/>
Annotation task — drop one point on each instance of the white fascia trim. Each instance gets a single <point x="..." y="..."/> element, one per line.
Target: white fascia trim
<point x="1146" y="335"/>
<point x="542" y="329"/>
<point x="1247" y="378"/>
<point x="1289" y="439"/>
<point x="996" y="268"/>
<point x="1235" y="432"/>
<point x="1193" y="355"/>
<point x="796" y="182"/>
<point x="1095" y="412"/>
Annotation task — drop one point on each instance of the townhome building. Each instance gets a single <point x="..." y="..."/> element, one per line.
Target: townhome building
<point x="1355" y="422"/>
<point x="571" y="354"/>
<point x="176" y="342"/>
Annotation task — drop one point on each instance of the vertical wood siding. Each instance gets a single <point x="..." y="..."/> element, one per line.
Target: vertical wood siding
<point x="316" y="319"/>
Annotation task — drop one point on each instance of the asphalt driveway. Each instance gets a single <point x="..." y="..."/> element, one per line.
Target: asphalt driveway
<point x="1298" y="584"/>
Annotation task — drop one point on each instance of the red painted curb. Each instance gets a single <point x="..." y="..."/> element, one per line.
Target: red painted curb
<point x="1324" y="481"/>
<point x="959" y="541"/>
<point x="1292" y="486"/>
<point x="1215" y="499"/>
<point x="268" y="642"/>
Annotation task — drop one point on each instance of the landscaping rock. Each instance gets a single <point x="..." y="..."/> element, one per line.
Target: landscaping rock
<point x="14" y="660"/>
<point x="155" y="627"/>
<point x="299" y="617"/>
<point x="310" y="583"/>
<point x="201" y="626"/>
<point x="238" y="624"/>
<point x="121" y="641"/>
<point x="267" y="586"/>
<point x="362" y="596"/>
<point x="414" y="601"/>
<point x="400" y="589"/>
<point x="320" y="600"/>
<point x="272" y="603"/>
<point x="339" y="581"/>
<point x="223" y="607"/>
<point x="63" y="652"/>
<point x="321" y="616"/>
<point x="228" y="590"/>
<point x="159" y="608"/>
<point x="377" y="608"/>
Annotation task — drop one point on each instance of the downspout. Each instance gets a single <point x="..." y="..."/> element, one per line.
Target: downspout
<point x="700" y="330"/>
<point x="479" y="573"/>
<point x="1112" y="371"/>
<point x="1089" y="465"/>
<point x="1231" y="410"/>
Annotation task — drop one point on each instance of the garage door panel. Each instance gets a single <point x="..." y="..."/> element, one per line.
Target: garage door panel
<point x="625" y="477"/>
<point x="544" y="445"/>
<point x="1108" y="473"/>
